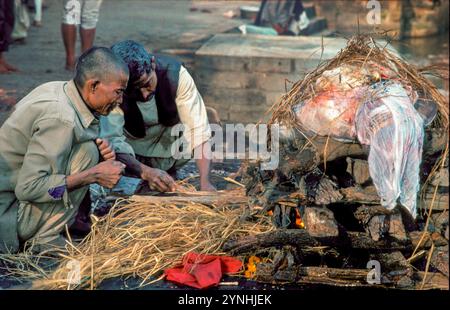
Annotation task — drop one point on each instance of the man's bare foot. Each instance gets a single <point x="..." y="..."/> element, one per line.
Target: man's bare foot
<point x="70" y="64"/>
<point x="20" y="41"/>
<point x="10" y="67"/>
<point x="6" y="67"/>
<point x="70" y="68"/>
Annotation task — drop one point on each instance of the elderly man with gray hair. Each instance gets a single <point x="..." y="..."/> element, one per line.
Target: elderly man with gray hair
<point x="50" y="152"/>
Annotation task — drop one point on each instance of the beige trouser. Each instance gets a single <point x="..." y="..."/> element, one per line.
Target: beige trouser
<point x="43" y="222"/>
<point x="81" y="12"/>
<point x="21" y="22"/>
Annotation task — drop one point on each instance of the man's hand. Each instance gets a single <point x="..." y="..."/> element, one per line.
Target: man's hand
<point x="105" y="149"/>
<point x="107" y="173"/>
<point x="159" y="180"/>
<point x="207" y="186"/>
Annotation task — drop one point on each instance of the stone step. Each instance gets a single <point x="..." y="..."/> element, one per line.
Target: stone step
<point x="185" y="55"/>
<point x="327" y="33"/>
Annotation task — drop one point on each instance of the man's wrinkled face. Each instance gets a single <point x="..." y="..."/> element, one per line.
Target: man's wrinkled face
<point x="106" y="96"/>
<point x="143" y="90"/>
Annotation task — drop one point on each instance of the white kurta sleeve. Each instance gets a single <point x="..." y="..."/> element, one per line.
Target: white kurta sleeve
<point x="192" y="111"/>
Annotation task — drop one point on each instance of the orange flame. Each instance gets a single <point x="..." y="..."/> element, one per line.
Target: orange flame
<point x="251" y="267"/>
<point x="298" y="220"/>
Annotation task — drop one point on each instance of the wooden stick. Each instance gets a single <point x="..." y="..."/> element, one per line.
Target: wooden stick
<point x="207" y="198"/>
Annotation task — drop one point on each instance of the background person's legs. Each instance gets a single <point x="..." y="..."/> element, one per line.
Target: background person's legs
<point x="6" y="28"/>
<point x="69" y="34"/>
<point x="38" y="15"/>
<point x="44" y="222"/>
<point x="22" y="22"/>
<point x="89" y="18"/>
<point x="87" y="38"/>
<point x="71" y="19"/>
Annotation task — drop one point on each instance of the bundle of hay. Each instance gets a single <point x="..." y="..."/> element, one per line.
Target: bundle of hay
<point x="143" y="237"/>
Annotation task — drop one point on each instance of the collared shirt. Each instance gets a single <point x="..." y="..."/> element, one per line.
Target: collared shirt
<point x="158" y="140"/>
<point x="35" y="146"/>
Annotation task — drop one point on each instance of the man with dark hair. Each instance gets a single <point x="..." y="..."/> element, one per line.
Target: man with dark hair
<point x="160" y="94"/>
<point x="50" y="152"/>
<point x="6" y="28"/>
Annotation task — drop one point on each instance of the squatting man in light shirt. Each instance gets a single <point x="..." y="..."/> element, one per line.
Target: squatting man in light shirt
<point x="50" y="152"/>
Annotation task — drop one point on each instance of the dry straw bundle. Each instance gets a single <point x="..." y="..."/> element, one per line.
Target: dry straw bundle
<point x="142" y="238"/>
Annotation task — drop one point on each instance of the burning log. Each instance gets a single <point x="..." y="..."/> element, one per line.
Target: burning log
<point x="348" y="277"/>
<point x="424" y="239"/>
<point x="301" y="239"/>
<point x="280" y="237"/>
<point x="357" y="194"/>
<point x="327" y="192"/>
<point x="378" y="221"/>
<point x="396" y="269"/>
<point x="363" y="241"/>
<point x="312" y="275"/>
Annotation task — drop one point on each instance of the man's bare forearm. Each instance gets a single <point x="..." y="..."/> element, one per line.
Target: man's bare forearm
<point x="80" y="179"/>
<point x="204" y="163"/>
<point x="106" y="173"/>
<point x="203" y="166"/>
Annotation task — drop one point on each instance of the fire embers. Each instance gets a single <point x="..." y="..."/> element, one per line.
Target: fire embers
<point x="250" y="271"/>
<point x="285" y="216"/>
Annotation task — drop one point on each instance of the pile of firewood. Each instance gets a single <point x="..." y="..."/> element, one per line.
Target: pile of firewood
<point x="331" y="224"/>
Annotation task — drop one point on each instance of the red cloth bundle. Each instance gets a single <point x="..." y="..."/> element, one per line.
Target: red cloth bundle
<point x="202" y="271"/>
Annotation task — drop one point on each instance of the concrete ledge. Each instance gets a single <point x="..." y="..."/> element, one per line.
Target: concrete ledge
<point x="261" y="46"/>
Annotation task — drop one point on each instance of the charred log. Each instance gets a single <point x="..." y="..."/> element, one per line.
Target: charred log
<point x="280" y="237"/>
<point x="300" y="238"/>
